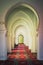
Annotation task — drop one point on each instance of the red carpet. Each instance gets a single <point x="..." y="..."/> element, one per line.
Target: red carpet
<point x="21" y="52"/>
<point x="22" y="55"/>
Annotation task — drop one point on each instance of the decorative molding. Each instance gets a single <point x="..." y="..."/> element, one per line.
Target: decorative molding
<point x="2" y="22"/>
<point x="2" y="26"/>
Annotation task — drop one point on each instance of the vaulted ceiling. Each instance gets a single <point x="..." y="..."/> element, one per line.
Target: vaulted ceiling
<point x="22" y="17"/>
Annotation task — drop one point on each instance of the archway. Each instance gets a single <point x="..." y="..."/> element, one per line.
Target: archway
<point x="22" y="15"/>
<point x="20" y="38"/>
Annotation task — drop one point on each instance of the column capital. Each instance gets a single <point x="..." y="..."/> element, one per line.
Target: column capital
<point x="2" y="26"/>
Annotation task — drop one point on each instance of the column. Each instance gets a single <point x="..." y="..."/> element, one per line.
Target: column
<point x="40" y="44"/>
<point x="3" y="45"/>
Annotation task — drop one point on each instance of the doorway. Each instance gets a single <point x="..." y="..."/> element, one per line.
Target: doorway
<point x="20" y="38"/>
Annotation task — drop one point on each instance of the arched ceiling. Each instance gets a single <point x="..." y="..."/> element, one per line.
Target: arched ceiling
<point x="18" y="17"/>
<point x="22" y="12"/>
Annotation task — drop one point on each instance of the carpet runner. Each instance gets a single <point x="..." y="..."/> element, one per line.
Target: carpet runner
<point x="21" y="54"/>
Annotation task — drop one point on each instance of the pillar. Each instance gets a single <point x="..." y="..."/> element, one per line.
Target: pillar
<point x="33" y="49"/>
<point x="40" y="44"/>
<point x="3" y="46"/>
